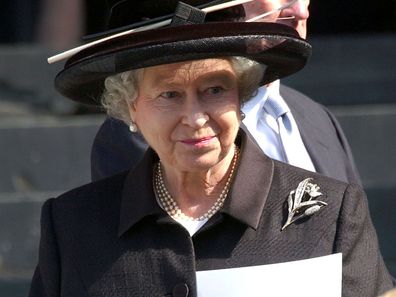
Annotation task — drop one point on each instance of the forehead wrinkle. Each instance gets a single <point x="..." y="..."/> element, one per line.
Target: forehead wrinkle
<point x="170" y="76"/>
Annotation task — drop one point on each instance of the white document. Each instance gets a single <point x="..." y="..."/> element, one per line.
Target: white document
<point x="320" y="276"/>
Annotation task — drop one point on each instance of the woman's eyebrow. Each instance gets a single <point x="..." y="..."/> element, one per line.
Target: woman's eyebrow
<point x="223" y="75"/>
<point x="164" y="79"/>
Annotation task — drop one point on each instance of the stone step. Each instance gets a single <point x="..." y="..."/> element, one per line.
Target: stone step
<point x="46" y="153"/>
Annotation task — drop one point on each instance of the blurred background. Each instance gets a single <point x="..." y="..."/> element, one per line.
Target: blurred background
<point x="45" y="139"/>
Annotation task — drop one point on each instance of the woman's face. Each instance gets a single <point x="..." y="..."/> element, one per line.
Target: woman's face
<point x="189" y="112"/>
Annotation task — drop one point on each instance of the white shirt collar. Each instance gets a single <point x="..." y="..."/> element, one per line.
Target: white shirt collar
<point x="254" y="105"/>
<point x="273" y="88"/>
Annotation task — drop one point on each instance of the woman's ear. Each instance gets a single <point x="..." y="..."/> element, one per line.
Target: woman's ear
<point x="132" y="114"/>
<point x="132" y="110"/>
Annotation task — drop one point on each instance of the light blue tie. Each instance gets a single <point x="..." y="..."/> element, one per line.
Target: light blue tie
<point x="293" y="147"/>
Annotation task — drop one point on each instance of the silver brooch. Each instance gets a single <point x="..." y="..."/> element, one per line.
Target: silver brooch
<point x="301" y="202"/>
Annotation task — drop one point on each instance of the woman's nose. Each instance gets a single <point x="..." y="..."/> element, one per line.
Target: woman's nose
<point x="195" y="115"/>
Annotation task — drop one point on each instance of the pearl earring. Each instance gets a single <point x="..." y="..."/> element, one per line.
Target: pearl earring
<point x="132" y="127"/>
<point x="242" y="115"/>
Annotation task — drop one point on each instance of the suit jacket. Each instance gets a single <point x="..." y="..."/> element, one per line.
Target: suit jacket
<point x="323" y="137"/>
<point x="110" y="238"/>
<point x="116" y="149"/>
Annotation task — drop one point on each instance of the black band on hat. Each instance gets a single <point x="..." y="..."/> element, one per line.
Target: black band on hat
<point x="187" y="14"/>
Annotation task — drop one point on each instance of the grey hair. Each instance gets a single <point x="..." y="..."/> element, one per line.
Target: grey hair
<point x="121" y="89"/>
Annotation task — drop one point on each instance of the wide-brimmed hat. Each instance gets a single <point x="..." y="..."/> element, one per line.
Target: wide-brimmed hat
<point x="191" y="35"/>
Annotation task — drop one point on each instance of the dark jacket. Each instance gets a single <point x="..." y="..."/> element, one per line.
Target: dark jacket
<point x="116" y="149"/>
<point x="323" y="137"/>
<point x="110" y="238"/>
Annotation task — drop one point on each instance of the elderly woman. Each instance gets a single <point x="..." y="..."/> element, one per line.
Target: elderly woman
<point x="204" y="197"/>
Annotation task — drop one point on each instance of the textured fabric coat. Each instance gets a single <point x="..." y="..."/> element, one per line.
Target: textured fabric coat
<point x="116" y="149"/>
<point x="110" y="238"/>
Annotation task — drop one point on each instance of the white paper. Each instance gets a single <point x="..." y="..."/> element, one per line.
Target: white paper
<point x="320" y="276"/>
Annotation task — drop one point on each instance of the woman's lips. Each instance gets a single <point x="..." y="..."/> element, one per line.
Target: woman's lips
<point x="198" y="141"/>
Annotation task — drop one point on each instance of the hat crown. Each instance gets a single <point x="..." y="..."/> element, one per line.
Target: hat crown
<point x="127" y="12"/>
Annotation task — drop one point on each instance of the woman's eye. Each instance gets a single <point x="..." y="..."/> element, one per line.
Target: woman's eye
<point x="215" y="90"/>
<point x="169" y="94"/>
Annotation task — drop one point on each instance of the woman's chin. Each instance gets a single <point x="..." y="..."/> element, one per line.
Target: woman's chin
<point x="199" y="162"/>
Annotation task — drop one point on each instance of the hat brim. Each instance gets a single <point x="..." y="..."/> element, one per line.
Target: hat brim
<point x="277" y="46"/>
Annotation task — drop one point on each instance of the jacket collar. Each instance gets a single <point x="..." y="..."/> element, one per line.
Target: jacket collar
<point x="245" y="202"/>
<point x="251" y="185"/>
<point x="138" y="198"/>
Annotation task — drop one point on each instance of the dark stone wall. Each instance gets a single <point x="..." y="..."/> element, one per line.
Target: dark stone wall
<point x="349" y="69"/>
<point x="40" y="158"/>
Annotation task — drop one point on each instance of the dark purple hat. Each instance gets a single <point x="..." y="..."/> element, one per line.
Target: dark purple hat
<point x="191" y="35"/>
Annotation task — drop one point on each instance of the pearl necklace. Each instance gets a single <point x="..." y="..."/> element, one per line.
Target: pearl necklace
<point x="171" y="206"/>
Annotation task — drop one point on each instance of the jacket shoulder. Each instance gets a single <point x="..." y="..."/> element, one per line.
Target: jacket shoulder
<point x="292" y="176"/>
